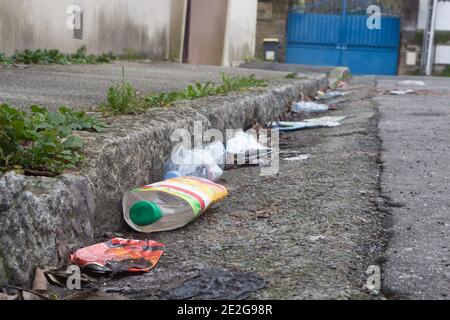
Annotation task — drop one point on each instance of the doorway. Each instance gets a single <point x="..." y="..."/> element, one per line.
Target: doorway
<point x="205" y="31"/>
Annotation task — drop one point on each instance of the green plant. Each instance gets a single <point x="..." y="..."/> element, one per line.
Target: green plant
<point x="66" y="119"/>
<point x="122" y="99"/>
<point x="162" y="99"/>
<point x="4" y="59"/>
<point x="42" y="140"/>
<point x="198" y="90"/>
<point x="291" y="75"/>
<point x="106" y="57"/>
<point x="239" y="82"/>
<point x="37" y="142"/>
<point x="81" y="121"/>
<point x="54" y="56"/>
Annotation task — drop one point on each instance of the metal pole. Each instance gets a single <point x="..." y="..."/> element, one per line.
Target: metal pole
<point x="430" y="53"/>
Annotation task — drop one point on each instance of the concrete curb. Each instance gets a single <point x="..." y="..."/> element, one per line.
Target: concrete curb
<point x="43" y="218"/>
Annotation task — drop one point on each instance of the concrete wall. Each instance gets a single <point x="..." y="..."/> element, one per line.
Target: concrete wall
<point x="109" y="25"/>
<point x="240" y="34"/>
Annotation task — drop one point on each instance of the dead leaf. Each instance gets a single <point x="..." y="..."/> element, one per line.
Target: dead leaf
<point x="40" y="282"/>
<point x="54" y="280"/>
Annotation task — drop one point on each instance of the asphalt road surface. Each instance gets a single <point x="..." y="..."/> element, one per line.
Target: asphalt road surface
<point x="415" y="134"/>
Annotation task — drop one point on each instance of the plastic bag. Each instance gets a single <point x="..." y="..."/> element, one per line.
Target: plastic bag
<point x="309" y="107"/>
<point x="330" y="95"/>
<point x="202" y="163"/>
<point x="244" y="149"/>
<point x="243" y="142"/>
<point x="324" y="122"/>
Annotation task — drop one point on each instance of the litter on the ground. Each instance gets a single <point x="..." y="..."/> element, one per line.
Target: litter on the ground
<point x="324" y="122"/>
<point x="329" y="95"/>
<point x="243" y="148"/>
<point x="412" y="83"/>
<point x="202" y="163"/>
<point x="309" y="107"/>
<point x="243" y="142"/>
<point x="118" y="255"/>
<point x="401" y="92"/>
<point x="170" y="204"/>
<point x="298" y="158"/>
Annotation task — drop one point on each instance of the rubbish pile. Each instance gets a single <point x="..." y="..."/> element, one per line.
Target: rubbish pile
<point x="188" y="189"/>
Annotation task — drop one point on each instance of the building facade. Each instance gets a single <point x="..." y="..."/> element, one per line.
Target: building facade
<point x="219" y="32"/>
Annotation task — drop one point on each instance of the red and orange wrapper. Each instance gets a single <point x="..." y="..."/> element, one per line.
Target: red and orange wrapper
<point x="119" y="255"/>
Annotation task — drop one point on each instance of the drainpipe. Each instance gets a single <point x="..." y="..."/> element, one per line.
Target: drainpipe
<point x="429" y="66"/>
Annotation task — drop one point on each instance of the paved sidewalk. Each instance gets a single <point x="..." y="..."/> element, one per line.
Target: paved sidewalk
<point x="84" y="86"/>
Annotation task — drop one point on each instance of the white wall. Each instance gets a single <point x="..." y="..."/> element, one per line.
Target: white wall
<point x="109" y="25"/>
<point x="442" y="17"/>
<point x="442" y="55"/>
<point x="240" y="34"/>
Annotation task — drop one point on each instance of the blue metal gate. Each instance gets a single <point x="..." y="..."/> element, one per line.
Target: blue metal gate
<point x="335" y="33"/>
